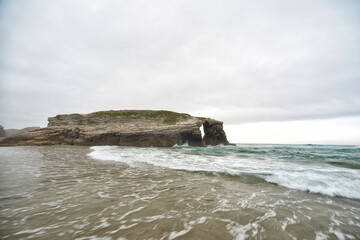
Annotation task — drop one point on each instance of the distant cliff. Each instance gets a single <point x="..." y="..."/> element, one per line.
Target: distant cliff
<point x="10" y="132"/>
<point x="2" y="131"/>
<point x="141" y="128"/>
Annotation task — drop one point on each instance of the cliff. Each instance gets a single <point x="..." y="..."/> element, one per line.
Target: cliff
<point x="141" y="128"/>
<point x="10" y="132"/>
<point x="2" y="131"/>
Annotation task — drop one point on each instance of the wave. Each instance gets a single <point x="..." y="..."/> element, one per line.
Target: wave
<point x="288" y="169"/>
<point x="318" y="182"/>
<point x="347" y="164"/>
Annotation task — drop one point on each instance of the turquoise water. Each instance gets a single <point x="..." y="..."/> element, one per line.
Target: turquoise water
<point x="329" y="170"/>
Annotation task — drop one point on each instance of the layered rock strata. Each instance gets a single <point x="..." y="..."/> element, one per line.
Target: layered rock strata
<point x="10" y="132"/>
<point x="125" y="128"/>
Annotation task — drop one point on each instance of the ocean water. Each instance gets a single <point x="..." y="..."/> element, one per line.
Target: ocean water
<point x="182" y="192"/>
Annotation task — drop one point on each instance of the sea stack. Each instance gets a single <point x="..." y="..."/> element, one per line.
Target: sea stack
<point x="141" y="128"/>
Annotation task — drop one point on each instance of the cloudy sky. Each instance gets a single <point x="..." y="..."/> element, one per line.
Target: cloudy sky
<point x="273" y="71"/>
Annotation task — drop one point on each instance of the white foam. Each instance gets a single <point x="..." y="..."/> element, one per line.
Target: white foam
<point x="103" y="195"/>
<point x="130" y="212"/>
<point x="94" y="238"/>
<point x="321" y="236"/>
<point x="339" y="235"/>
<point x="188" y="227"/>
<point x="317" y="182"/>
<point x="321" y="178"/>
<point x="29" y="231"/>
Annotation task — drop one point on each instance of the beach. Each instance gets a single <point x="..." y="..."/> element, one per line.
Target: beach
<point x="181" y="192"/>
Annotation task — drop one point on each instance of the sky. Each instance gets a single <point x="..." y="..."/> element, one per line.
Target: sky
<point x="273" y="71"/>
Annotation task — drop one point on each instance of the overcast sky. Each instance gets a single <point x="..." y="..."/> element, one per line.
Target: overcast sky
<point x="271" y="70"/>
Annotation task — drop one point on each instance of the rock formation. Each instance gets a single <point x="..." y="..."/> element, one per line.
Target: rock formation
<point x="10" y="132"/>
<point x="214" y="132"/>
<point x="2" y="131"/>
<point x="142" y="128"/>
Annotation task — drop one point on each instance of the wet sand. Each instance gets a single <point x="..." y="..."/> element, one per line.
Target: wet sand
<point x="62" y="193"/>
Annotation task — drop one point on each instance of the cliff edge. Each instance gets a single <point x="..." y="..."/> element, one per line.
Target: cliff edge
<point x="142" y="128"/>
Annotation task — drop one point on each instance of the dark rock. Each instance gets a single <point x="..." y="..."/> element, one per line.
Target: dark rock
<point x="2" y="131"/>
<point x="214" y="133"/>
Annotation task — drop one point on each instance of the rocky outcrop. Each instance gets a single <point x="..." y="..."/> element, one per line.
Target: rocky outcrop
<point x="125" y="128"/>
<point x="2" y="131"/>
<point x="214" y="133"/>
<point x="10" y="132"/>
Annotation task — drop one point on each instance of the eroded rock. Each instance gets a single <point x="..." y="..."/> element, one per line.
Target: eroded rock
<point x="124" y="128"/>
<point x="10" y="132"/>
<point x="214" y="133"/>
<point x="2" y="131"/>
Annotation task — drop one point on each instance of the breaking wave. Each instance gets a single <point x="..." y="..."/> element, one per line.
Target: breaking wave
<point x="328" y="170"/>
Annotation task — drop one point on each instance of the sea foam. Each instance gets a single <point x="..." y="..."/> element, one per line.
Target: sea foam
<point x="302" y="168"/>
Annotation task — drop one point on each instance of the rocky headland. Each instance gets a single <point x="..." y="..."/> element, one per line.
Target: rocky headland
<point x="2" y="131"/>
<point x="10" y="132"/>
<point x="142" y="128"/>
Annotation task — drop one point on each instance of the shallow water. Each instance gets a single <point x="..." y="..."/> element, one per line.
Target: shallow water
<point x="243" y="192"/>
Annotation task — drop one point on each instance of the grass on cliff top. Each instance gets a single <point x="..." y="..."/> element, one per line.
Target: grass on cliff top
<point x="168" y="117"/>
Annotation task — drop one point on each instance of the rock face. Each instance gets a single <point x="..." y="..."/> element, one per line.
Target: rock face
<point x="214" y="133"/>
<point x="10" y="132"/>
<point x="2" y="131"/>
<point x="125" y="128"/>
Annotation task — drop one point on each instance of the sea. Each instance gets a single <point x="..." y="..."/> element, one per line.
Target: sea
<point x="247" y="191"/>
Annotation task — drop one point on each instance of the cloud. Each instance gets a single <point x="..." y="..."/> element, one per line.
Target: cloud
<point x="238" y="61"/>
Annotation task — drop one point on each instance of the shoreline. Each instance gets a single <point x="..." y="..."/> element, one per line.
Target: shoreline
<point x="130" y="192"/>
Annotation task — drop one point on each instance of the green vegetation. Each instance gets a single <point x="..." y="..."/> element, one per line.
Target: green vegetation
<point x="202" y="118"/>
<point x="120" y="113"/>
<point x="168" y="117"/>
